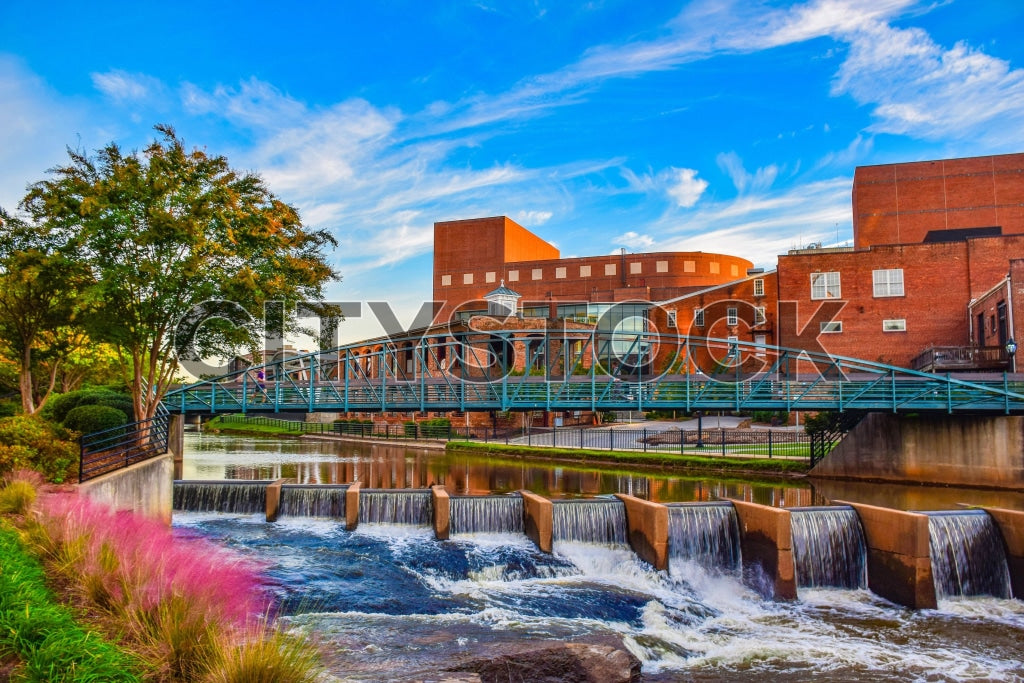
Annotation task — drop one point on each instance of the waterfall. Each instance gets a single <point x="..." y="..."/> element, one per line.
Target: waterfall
<point x="400" y="506"/>
<point x="486" y="514"/>
<point x="706" y="533"/>
<point x="828" y="548"/>
<point x="968" y="555"/>
<point x="313" y="501"/>
<point x="221" y="496"/>
<point x="601" y="521"/>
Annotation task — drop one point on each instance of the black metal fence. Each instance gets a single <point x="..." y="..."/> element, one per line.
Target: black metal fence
<point x="751" y="443"/>
<point x="118" y="447"/>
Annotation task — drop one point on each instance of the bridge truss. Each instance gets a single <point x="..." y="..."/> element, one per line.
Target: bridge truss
<point x="586" y="369"/>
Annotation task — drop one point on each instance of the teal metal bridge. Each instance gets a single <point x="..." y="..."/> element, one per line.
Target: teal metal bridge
<point x="585" y="369"/>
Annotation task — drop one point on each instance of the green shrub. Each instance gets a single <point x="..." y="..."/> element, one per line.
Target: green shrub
<point x="31" y="442"/>
<point x="17" y="498"/>
<point x="57" y="408"/>
<point x="87" y="419"/>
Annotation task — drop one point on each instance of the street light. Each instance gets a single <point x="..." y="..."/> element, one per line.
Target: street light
<point x="1011" y="349"/>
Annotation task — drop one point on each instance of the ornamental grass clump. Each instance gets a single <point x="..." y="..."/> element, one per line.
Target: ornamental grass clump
<point x="186" y="605"/>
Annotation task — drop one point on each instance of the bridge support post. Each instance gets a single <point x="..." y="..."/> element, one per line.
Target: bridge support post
<point x="273" y="499"/>
<point x="352" y="506"/>
<point x="442" y="512"/>
<point x="899" y="561"/>
<point x="176" y="442"/>
<point x="647" y="526"/>
<point x="538" y="519"/>
<point x="766" y="544"/>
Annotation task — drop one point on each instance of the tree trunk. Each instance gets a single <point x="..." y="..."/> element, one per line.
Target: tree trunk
<point x="25" y="384"/>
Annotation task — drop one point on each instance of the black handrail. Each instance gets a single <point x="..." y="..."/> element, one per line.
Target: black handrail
<point x="118" y="447"/>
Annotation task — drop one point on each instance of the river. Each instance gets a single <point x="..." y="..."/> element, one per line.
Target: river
<point x="390" y="602"/>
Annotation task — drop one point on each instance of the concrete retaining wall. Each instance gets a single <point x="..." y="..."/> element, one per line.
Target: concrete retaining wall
<point x="538" y="519"/>
<point x="442" y="512"/>
<point x="899" y="561"/>
<point x="647" y="523"/>
<point x="146" y="488"/>
<point x="352" y="506"/>
<point x="766" y="543"/>
<point x="944" y="449"/>
<point x="1011" y="525"/>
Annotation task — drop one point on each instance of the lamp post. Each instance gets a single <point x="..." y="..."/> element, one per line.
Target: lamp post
<point x="1011" y="350"/>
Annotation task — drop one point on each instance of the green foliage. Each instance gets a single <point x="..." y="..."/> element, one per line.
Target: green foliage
<point x="779" y="417"/>
<point x="94" y="418"/>
<point x="167" y="230"/>
<point x="30" y="442"/>
<point x="17" y="497"/>
<point x="43" y="633"/>
<point x="267" y="655"/>
<point x="608" y="417"/>
<point x="823" y="422"/>
<point x="59" y="406"/>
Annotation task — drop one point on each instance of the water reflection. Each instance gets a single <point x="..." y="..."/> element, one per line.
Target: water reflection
<point x="211" y="456"/>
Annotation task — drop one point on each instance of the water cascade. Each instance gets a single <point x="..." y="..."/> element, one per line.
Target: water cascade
<point x="487" y="514"/>
<point x="601" y="521"/>
<point x="968" y="555"/>
<point x="395" y="506"/>
<point x="313" y="501"/>
<point x="828" y="548"/>
<point x="706" y="533"/>
<point x="242" y="497"/>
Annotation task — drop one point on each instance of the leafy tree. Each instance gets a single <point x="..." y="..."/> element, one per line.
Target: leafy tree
<point x="41" y="288"/>
<point x="166" y="231"/>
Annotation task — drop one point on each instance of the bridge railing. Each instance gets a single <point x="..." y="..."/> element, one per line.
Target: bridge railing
<point x="116" y="448"/>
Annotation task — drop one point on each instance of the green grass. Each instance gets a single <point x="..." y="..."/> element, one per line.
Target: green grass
<point x="43" y="634"/>
<point x="706" y="463"/>
<point x="219" y="424"/>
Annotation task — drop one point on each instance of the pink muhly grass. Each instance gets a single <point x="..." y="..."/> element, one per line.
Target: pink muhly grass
<point x="138" y="564"/>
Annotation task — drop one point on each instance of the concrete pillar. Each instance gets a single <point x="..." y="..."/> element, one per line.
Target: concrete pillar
<point x="442" y="512"/>
<point x="176" y="442"/>
<point x="538" y="519"/>
<point x="647" y="524"/>
<point x="766" y="543"/>
<point x="1011" y="525"/>
<point x="352" y="506"/>
<point x="899" y="559"/>
<point x="273" y="500"/>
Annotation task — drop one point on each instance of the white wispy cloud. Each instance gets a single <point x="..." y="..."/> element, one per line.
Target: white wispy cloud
<point x="634" y="240"/>
<point x="759" y="180"/>
<point x="124" y="87"/>
<point x="532" y="218"/>
<point x="681" y="185"/>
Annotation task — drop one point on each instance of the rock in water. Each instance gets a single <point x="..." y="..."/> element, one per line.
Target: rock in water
<point x="559" y="663"/>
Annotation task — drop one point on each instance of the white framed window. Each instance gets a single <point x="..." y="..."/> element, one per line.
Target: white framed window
<point x="490" y="276"/>
<point x="446" y="280"/>
<point x="467" y="279"/>
<point x="832" y="327"/>
<point x="689" y="266"/>
<point x="560" y="273"/>
<point x="759" y="287"/>
<point x="538" y="273"/>
<point x="759" y="315"/>
<point x="584" y="271"/>
<point x="825" y="285"/>
<point x="671" y="317"/>
<point x="731" y="316"/>
<point x="609" y="269"/>
<point x="760" y="339"/>
<point x="661" y="266"/>
<point x="513" y="276"/>
<point x="698" y="317"/>
<point x="733" y="345"/>
<point x="894" y="325"/>
<point x="636" y="268"/>
<point x="887" y="282"/>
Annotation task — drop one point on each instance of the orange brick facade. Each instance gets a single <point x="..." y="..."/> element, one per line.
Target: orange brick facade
<point x="902" y="203"/>
<point x="472" y="257"/>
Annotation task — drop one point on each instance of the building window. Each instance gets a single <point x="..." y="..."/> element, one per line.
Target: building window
<point x="888" y="282"/>
<point x="760" y="339"/>
<point x="689" y="266"/>
<point x="733" y="345"/>
<point x="698" y="317"/>
<point x="671" y="318"/>
<point x="560" y="273"/>
<point x="832" y="327"/>
<point x="446" y="280"/>
<point x="584" y="271"/>
<point x="490" y="276"/>
<point x="734" y="270"/>
<point x="759" y="315"/>
<point x="899" y="325"/>
<point x="635" y="268"/>
<point x="467" y="279"/>
<point x="731" y="317"/>
<point x="825" y="285"/>
<point x="714" y="268"/>
<point x="513" y="276"/>
<point x="661" y="266"/>
<point x="609" y="269"/>
<point x="759" y="287"/>
<point x="538" y="273"/>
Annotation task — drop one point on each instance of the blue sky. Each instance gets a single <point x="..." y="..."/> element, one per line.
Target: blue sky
<point x="716" y="126"/>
